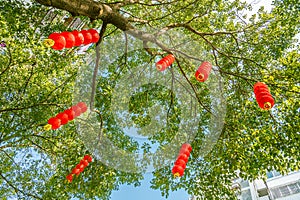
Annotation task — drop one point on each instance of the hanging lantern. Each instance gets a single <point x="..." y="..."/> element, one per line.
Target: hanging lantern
<point x="88" y="158"/>
<point x="85" y="163"/>
<point x="95" y="35"/>
<point x="63" y="118"/>
<point x="53" y="123"/>
<point x="82" y="106"/>
<point x="182" y="159"/>
<point x="87" y="37"/>
<point x="70" y="178"/>
<point x="56" y="41"/>
<point x="70" y="113"/>
<point x="165" y="62"/>
<point x="70" y="39"/>
<point x="203" y="71"/>
<point x="79" y="39"/>
<point x="178" y="171"/>
<point x="263" y="96"/>
<point x="77" y="110"/>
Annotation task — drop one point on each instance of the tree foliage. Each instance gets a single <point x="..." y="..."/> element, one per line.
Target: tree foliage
<point x="37" y="83"/>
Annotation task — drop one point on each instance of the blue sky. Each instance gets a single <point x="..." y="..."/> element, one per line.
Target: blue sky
<point x="144" y="192"/>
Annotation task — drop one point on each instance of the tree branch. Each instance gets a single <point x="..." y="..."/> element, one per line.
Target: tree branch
<point x="16" y="189"/>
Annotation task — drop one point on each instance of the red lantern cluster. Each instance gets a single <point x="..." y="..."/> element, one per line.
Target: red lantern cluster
<point x="263" y="96"/>
<point x="165" y="62"/>
<point x="80" y="167"/>
<point x="203" y="71"/>
<point x="66" y="116"/>
<point x="182" y="159"/>
<point x="66" y="39"/>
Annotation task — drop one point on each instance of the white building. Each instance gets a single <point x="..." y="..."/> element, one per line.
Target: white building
<point x="276" y="187"/>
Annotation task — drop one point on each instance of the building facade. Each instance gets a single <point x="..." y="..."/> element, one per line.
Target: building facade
<point x="276" y="187"/>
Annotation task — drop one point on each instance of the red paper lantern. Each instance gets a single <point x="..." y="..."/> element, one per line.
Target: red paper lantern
<point x="88" y="158"/>
<point x="165" y="62"/>
<point x="77" y="110"/>
<point x="70" y="113"/>
<point x="54" y="122"/>
<point x="56" y="41"/>
<point x="87" y="37"/>
<point x="85" y="163"/>
<point x="70" y="39"/>
<point x="203" y="71"/>
<point x="70" y="178"/>
<point x="82" y="106"/>
<point x="263" y="96"/>
<point x="178" y="171"/>
<point x="187" y="146"/>
<point x="76" y="171"/>
<point x="181" y="163"/>
<point x="184" y="151"/>
<point x="95" y="35"/>
<point x="79" y="39"/>
<point x="183" y="157"/>
<point x="63" y="118"/>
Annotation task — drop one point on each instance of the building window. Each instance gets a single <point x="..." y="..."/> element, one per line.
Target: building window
<point x="245" y="195"/>
<point x="286" y="190"/>
<point x="272" y="174"/>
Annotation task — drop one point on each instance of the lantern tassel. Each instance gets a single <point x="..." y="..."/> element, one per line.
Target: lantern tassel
<point x="176" y="175"/>
<point x="267" y="106"/>
<point x="47" y="127"/>
<point x="49" y="42"/>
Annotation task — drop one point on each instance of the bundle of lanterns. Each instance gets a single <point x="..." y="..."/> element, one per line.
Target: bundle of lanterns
<point x="79" y="167"/>
<point x="165" y="62"/>
<point x="66" y="39"/>
<point x="181" y="161"/>
<point x="263" y="96"/>
<point x="66" y="116"/>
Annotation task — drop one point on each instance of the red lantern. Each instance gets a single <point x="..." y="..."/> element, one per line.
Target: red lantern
<point x="82" y="106"/>
<point x="79" y="39"/>
<point x="263" y="96"/>
<point x="95" y="35"/>
<point x="70" y="39"/>
<point x="187" y="146"/>
<point x="88" y="158"/>
<point x="70" y="178"/>
<point x="165" y="62"/>
<point x="54" y="123"/>
<point x="87" y="37"/>
<point x="182" y="159"/>
<point x="178" y="171"/>
<point x="56" y="41"/>
<point x="85" y="163"/>
<point x="63" y="118"/>
<point x="203" y="71"/>
<point x="76" y="171"/>
<point x="184" y="151"/>
<point x="77" y="110"/>
<point x="181" y="163"/>
<point x="70" y="113"/>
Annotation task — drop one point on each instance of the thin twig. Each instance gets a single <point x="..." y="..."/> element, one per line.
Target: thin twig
<point x="102" y="31"/>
